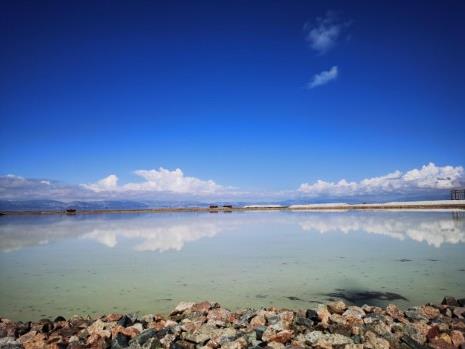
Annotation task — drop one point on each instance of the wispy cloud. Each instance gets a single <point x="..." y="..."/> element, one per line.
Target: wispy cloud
<point x="323" y="33"/>
<point x="324" y="77"/>
<point x="428" y="177"/>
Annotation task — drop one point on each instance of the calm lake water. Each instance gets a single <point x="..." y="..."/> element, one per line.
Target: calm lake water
<point x="93" y="264"/>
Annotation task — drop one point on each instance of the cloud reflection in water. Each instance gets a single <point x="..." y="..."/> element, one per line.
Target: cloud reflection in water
<point x="172" y="232"/>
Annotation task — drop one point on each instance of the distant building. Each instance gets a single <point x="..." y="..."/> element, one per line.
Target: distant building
<point x="457" y="194"/>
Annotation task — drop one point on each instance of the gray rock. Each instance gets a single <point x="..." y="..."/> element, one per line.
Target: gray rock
<point x="303" y="321"/>
<point x="259" y="332"/>
<point x="318" y="337"/>
<point x="450" y="301"/>
<point x="144" y="336"/>
<point x="413" y="344"/>
<point x="312" y="315"/>
<point x="415" y="315"/>
<point x="182" y="345"/>
<point x="125" y="321"/>
<point x="119" y="341"/>
<point x="9" y="343"/>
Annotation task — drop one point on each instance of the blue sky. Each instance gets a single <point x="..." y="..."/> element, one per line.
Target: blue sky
<point x="261" y="96"/>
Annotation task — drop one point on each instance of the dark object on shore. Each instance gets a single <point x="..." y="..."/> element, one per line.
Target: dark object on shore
<point x="403" y="260"/>
<point x="70" y="211"/>
<point x="213" y="206"/>
<point x="457" y="194"/>
<point x="450" y="301"/>
<point x="227" y="206"/>
<point x="366" y="297"/>
<point x="293" y="298"/>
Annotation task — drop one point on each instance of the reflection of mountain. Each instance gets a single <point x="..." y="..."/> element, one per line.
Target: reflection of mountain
<point x="433" y="228"/>
<point x="162" y="232"/>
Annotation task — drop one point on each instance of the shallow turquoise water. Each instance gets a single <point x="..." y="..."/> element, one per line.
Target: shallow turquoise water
<point x="92" y="264"/>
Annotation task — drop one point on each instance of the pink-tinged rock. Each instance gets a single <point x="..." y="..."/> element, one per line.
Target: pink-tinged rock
<point x="337" y="307"/>
<point x="433" y="332"/>
<point x="189" y="326"/>
<point x="375" y="341"/>
<point x="337" y="319"/>
<point x="282" y="336"/>
<point x="287" y="316"/>
<point x="459" y="312"/>
<point x="393" y="311"/>
<point x="219" y="314"/>
<point x="268" y="334"/>
<point x="323" y="315"/>
<point x="439" y="343"/>
<point x="27" y="336"/>
<point x="354" y="311"/>
<point x="457" y="338"/>
<point x="113" y="317"/>
<point x="202" y="307"/>
<point x="182" y="307"/>
<point x="157" y="325"/>
<point x="429" y="312"/>
<point x="276" y="345"/>
<point x="97" y="326"/>
<point x="170" y="323"/>
<point x="257" y="321"/>
<point x="422" y="330"/>
<point x="34" y="342"/>
<point x="7" y="328"/>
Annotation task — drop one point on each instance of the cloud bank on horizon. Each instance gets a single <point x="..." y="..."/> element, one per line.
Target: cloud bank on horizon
<point x="174" y="185"/>
<point x="428" y="177"/>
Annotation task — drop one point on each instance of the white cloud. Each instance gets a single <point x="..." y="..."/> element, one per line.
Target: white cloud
<point x="324" y="77"/>
<point x="174" y="185"/>
<point x="173" y="181"/>
<point x="105" y="184"/>
<point x="161" y="184"/>
<point x="323" y="34"/>
<point x="429" y="177"/>
<point x="161" y="180"/>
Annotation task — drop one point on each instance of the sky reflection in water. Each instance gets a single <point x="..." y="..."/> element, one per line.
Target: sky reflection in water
<point x="148" y="262"/>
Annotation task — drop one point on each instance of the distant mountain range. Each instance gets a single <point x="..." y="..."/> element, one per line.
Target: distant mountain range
<point x="55" y="205"/>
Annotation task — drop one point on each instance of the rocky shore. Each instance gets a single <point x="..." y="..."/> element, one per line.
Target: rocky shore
<point x="208" y="325"/>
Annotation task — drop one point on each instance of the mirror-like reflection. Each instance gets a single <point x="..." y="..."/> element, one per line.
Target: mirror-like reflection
<point x="54" y="265"/>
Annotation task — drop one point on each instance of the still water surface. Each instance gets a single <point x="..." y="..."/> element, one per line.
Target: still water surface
<point x="93" y="264"/>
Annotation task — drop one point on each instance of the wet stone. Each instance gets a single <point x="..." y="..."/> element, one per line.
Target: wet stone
<point x="119" y="341"/>
<point x="10" y="343"/>
<point x="450" y="301"/>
